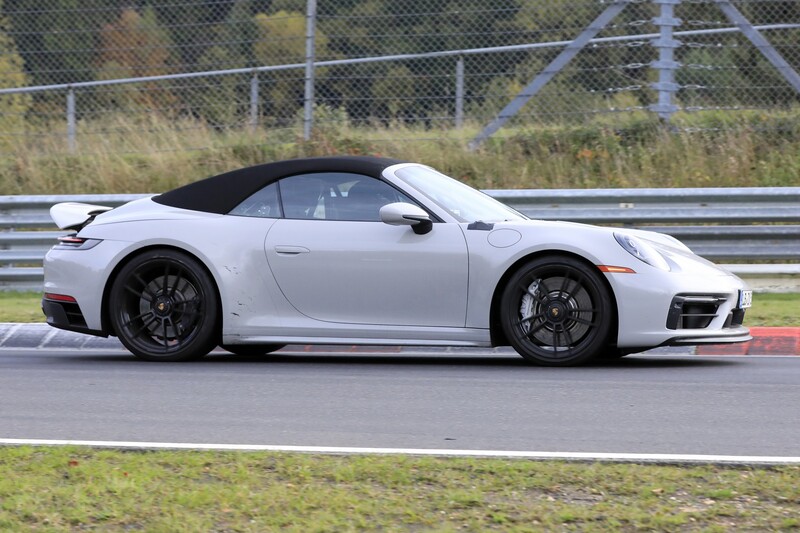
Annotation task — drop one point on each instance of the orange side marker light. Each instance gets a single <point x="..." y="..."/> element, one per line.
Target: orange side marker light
<point x="616" y="269"/>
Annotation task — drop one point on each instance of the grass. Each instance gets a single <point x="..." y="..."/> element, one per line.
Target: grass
<point x="768" y="309"/>
<point x="719" y="149"/>
<point x="25" y="307"/>
<point x="77" y="489"/>
<point x="774" y="310"/>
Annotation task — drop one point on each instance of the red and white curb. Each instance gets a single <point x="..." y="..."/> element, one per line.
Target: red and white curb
<point x="766" y="341"/>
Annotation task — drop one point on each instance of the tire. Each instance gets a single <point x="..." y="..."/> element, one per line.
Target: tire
<point x="251" y="349"/>
<point x="163" y="306"/>
<point x="556" y="311"/>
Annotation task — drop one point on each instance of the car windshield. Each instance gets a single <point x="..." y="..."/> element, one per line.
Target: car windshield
<point x="463" y="202"/>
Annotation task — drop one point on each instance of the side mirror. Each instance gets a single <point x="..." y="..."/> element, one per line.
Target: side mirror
<point x="403" y="214"/>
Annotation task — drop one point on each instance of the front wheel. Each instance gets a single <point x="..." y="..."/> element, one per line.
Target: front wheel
<point x="556" y="311"/>
<point x="163" y="307"/>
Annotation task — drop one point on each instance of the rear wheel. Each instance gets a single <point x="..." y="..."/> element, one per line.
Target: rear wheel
<point x="163" y="307"/>
<point x="556" y="311"/>
<point x="251" y="349"/>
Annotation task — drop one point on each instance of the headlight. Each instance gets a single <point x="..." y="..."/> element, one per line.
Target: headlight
<point x="642" y="251"/>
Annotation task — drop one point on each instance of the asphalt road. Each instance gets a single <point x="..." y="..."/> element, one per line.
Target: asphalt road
<point x="642" y="404"/>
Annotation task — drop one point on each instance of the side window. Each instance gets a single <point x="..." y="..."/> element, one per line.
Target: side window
<point x="261" y="204"/>
<point x="366" y="197"/>
<point x="302" y="196"/>
<point x="337" y="196"/>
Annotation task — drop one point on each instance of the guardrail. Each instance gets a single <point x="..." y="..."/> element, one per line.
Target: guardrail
<point x="745" y="226"/>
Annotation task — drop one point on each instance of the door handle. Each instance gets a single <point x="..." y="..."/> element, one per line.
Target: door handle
<point x="282" y="249"/>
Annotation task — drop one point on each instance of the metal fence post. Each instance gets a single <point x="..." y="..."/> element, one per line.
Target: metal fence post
<point x="308" y="111"/>
<point x="767" y="50"/>
<point x="556" y="65"/>
<point x="666" y="64"/>
<point x="254" y="102"/>
<point x="71" y="145"/>
<point x="460" y="92"/>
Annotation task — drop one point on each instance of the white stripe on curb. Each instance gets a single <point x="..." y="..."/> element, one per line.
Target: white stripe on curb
<point x="580" y="456"/>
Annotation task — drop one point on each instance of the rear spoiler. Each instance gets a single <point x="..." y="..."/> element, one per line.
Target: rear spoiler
<point x="75" y="215"/>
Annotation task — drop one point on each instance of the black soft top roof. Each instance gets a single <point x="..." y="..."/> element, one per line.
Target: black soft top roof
<point x="220" y="194"/>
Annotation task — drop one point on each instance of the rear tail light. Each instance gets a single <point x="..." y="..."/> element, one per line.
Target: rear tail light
<point x="59" y="297"/>
<point x="73" y="242"/>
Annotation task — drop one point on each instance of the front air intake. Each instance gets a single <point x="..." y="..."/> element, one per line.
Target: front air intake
<point x="693" y="312"/>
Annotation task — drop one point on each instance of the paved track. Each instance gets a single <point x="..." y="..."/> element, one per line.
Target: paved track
<point x="664" y="404"/>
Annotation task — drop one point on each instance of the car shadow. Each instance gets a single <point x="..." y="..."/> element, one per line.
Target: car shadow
<point x="630" y="362"/>
<point x="288" y="356"/>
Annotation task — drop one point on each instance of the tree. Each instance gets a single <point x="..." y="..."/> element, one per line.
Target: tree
<point x="281" y="40"/>
<point x="197" y="29"/>
<point x="365" y="28"/>
<point x="58" y="38"/>
<point x="57" y="41"/>
<point x="136" y="46"/>
<point x="223" y="100"/>
<point x="12" y="74"/>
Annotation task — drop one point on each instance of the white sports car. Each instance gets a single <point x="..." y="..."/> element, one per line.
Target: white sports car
<point x="361" y="250"/>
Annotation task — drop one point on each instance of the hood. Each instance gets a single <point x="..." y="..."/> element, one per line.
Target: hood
<point x="653" y="236"/>
<point x="661" y="239"/>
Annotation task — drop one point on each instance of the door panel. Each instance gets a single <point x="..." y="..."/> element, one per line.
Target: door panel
<point x="370" y="272"/>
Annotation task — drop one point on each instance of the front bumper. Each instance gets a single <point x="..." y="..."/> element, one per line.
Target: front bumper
<point x="695" y="303"/>
<point x="729" y="336"/>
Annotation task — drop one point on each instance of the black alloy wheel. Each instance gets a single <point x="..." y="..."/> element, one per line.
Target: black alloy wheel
<point x="557" y="311"/>
<point x="163" y="307"/>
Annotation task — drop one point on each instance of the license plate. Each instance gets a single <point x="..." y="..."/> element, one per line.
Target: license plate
<point x="745" y="299"/>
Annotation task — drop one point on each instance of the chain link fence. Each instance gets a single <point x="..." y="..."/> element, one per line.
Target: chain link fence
<point x="106" y="73"/>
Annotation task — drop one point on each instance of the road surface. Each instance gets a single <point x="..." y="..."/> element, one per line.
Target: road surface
<point x="662" y="404"/>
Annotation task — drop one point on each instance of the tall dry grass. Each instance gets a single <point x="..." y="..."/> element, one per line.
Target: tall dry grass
<point x="718" y="149"/>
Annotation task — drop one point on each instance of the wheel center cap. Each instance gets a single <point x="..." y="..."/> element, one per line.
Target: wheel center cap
<point x="162" y="305"/>
<point x="556" y="311"/>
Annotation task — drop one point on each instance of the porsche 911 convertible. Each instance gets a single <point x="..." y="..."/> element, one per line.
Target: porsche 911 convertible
<point x="362" y="250"/>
